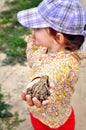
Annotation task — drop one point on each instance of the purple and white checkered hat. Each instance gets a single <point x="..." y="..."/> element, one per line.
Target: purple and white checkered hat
<point x="66" y="16"/>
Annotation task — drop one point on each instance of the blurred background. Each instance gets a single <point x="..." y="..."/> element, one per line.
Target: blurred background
<point x="14" y="71"/>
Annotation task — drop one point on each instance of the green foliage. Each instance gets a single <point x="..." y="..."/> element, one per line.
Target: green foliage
<point x="8" y="121"/>
<point x="4" y="106"/>
<point x="11" y="32"/>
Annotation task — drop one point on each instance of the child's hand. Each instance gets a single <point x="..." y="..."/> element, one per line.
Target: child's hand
<point x="35" y="101"/>
<point x="31" y="39"/>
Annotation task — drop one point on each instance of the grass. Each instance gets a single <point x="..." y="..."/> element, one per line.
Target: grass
<point x="11" y="32"/>
<point x="8" y="121"/>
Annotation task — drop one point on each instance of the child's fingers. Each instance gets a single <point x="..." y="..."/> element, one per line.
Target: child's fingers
<point x="23" y="95"/>
<point x="51" y="84"/>
<point x="46" y="102"/>
<point x="31" y="38"/>
<point x="29" y="100"/>
<point x="36" y="102"/>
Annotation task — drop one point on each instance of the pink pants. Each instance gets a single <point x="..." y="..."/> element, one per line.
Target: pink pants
<point x="69" y="125"/>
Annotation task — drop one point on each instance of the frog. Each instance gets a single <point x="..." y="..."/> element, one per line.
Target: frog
<point x="41" y="89"/>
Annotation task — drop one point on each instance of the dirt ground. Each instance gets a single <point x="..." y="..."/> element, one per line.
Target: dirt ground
<point x="13" y="79"/>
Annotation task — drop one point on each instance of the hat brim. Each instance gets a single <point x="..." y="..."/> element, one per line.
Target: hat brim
<point x="31" y="18"/>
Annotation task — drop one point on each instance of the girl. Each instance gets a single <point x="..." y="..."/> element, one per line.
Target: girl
<point x="58" y="31"/>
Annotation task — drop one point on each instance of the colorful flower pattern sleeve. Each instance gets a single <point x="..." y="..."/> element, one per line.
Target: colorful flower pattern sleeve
<point x="33" y="53"/>
<point x="62" y="68"/>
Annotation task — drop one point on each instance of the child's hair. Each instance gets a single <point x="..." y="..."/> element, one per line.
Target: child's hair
<point x="72" y="42"/>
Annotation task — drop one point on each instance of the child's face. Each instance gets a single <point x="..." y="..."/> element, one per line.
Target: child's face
<point x="42" y="37"/>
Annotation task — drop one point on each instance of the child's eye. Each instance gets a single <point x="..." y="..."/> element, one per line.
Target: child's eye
<point x="37" y="29"/>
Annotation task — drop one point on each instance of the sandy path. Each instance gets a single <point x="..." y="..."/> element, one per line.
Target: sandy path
<point x="2" y="2"/>
<point x="2" y="5"/>
<point x="13" y="80"/>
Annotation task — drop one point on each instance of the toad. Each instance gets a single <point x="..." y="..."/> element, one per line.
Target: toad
<point x="40" y="90"/>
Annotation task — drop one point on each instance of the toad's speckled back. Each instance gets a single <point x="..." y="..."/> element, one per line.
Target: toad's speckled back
<point x="40" y="90"/>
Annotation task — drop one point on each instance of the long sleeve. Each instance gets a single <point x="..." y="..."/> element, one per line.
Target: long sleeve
<point x="62" y="68"/>
<point x="33" y="53"/>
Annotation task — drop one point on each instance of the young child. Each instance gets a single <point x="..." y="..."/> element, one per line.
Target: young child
<point x="58" y="31"/>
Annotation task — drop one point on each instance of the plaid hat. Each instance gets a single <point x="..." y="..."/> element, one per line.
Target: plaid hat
<point x="66" y="16"/>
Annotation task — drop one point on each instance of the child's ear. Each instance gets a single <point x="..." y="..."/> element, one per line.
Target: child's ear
<point x="60" y="38"/>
